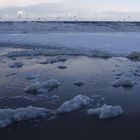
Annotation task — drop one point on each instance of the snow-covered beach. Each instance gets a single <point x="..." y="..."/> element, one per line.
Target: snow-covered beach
<point x="55" y="78"/>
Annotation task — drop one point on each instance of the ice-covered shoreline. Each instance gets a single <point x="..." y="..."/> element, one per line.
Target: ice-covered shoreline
<point x="90" y="44"/>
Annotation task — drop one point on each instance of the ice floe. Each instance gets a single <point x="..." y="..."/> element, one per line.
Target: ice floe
<point x="118" y="44"/>
<point x="37" y="88"/>
<point x="74" y="104"/>
<point x="50" y="84"/>
<point x="79" y="83"/>
<point x="33" y="88"/>
<point x="9" y="116"/>
<point x="124" y="81"/>
<point x="106" y="111"/>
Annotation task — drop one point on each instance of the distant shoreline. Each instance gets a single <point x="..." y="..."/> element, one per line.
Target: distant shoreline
<point x="51" y="21"/>
<point x="25" y="27"/>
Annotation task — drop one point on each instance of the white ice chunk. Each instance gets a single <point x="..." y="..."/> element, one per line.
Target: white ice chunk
<point x="55" y="97"/>
<point x="74" y="104"/>
<point x="9" y="116"/>
<point x="33" y="89"/>
<point x="124" y="82"/>
<point x="79" y="82"/>
<point x="106" y="111"/>
<point x="37" y="88"/>
<point x="50" y="84"/>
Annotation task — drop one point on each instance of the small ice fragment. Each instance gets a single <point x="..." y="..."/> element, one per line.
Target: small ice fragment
<point x="124" y="82"/>
<point x="106" y="111"/>
<point x="16" y="65"/>
<point x="50" y="84"/>
<point x="55" y="97"/>
<point x="74" y="104"/>
<point x="33" y="89"/>
<point x="79" y="83"/>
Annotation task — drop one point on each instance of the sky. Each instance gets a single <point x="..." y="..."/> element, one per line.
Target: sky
<point x="119" y="5"/>
<point x="108" y="8"/>
<point x="13" y="3"/>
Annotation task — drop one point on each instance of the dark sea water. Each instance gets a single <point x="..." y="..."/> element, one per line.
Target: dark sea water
<point x="66" y="26"/>
<point x="97" y="74"/>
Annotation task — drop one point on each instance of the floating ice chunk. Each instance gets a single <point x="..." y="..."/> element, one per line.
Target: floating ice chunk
<point x="38" y="88"/>
<point x="50" y="84"/>
<point x="54" y="60"/>
<point x="124" y="82"/>
<point x="74" y="104"/>
<point x="55" y="97"/>
<point x="106" y="111"/>
<point x="31" y="76"/>
<point x="62" y="67"/>
<point x="16" y="65"/>
<point x="9" y="116"/>
<point x="134" y="55"/>
<point x="33" y="89"/>
<point x="79" y="83"/>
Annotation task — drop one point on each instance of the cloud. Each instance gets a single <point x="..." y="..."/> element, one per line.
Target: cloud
<point x="21" y="3"/>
